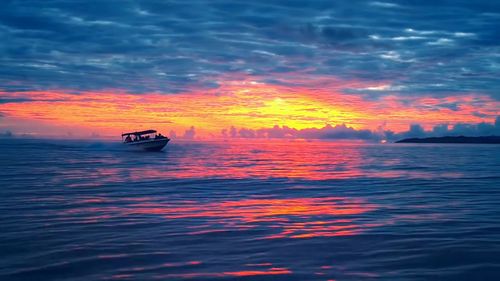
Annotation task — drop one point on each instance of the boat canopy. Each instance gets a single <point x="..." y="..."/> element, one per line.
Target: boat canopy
<point x="140" y="133"/>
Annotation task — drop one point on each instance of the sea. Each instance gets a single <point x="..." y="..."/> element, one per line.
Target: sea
<point x="249" y="210"/>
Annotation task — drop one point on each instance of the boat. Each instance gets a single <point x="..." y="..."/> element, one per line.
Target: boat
<point x="147" y="140"/>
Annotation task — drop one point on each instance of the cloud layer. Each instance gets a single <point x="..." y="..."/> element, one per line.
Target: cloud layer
<point x="421" y="47"/>
<point x="343" y="132"/>
<point x="98" y="64"/>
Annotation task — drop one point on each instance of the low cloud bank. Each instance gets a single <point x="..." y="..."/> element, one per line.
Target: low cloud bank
<point x="189" y="134"/>
<point x="459" y="129"/>
<point x="340" y="132"/>
<point x="6" y="134"/>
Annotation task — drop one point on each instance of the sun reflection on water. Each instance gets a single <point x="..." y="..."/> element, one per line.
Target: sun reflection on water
<point x="284" y="218"/>
<point x="247" y="159"/>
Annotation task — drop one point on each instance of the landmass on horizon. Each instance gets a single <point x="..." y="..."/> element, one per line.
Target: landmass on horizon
<point x="450" y="139"/>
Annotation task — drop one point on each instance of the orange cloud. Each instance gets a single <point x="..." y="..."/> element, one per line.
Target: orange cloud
<point x="239" y="102"/>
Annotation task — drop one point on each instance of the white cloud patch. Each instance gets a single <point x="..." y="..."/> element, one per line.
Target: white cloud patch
<point x="441" y="42"/>
<point x="384" y="4"/>
<point x="381" y="88"/>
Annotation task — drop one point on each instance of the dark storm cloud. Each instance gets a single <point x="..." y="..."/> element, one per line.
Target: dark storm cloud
<point x="423" y="47"/>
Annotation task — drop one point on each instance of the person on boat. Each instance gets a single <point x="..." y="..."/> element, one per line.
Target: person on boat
<point x="128" y="139"/>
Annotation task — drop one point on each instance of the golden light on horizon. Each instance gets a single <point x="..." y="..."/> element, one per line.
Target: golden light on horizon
<point x="242" y="104"/>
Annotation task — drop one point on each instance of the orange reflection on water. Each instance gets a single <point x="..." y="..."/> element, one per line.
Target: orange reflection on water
<point x="271" y="271"/>
<point x="262" y="271"/>
<point x="285" y="218"/>
<point x="273" y="159"/>
<point x="254" y="159"/>
<point x="179" y="264"/>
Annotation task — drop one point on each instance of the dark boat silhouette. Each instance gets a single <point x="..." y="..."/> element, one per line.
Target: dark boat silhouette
<point x="146" y="140"/>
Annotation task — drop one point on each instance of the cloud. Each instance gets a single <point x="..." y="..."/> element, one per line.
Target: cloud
<point x="480" y="129"/>
<point x="172" y="134"/>
<point x="327" y="132"/>
<point x="247" y="133"/>
<point x="415" y="131"/>
<point x="459" y="129"/>
<point x="336" y="132"/>
<point x="6" y="134"/>
<point x="189" y="134"/>
<point x="384" y="4"/>
<point x="173" y="46"/>
<point x="343" y="132"/>
<point x="382" y="56"/>
<point x="13" y="100"/>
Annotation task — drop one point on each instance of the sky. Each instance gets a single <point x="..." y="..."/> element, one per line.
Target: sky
<point x="244" y="69"/>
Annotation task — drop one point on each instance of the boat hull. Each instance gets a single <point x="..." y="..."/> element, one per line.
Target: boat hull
<point x="149" y="145"/>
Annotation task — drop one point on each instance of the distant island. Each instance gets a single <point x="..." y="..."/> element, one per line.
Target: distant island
<point x="460" y="139"/>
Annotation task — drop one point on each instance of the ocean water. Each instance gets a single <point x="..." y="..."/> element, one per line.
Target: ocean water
<point x="268" y="210"/>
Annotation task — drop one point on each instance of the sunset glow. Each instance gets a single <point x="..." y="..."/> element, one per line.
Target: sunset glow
<point x="241" y="104"/>
<point x="249" y="70"/>
<point x="295" y="140"/>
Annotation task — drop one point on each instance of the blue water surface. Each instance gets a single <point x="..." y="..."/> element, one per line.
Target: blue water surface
<point x="249" y="210"/>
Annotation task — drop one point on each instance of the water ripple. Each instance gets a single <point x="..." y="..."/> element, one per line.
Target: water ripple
<point x="287" y="210"/>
